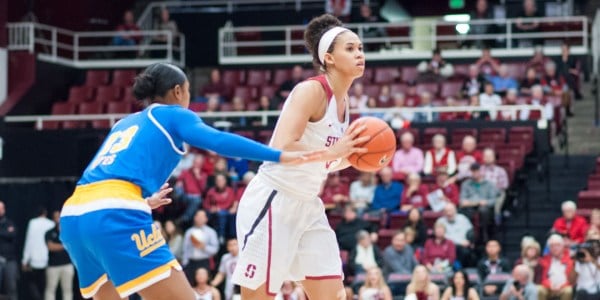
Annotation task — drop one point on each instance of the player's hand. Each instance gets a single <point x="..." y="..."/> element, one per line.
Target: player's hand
<point x="160" y="198"/>
<point x="300" y="157"/>
<point x="348" y="144"/>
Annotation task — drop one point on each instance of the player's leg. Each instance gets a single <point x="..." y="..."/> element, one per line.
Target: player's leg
<point x="107" y="292"/>
<point x="174" y="287"/>
<point x="324" y="288"/>
<point x="259" y="294"/>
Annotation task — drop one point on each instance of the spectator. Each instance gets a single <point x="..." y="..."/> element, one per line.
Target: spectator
<point x="422" y="117"/>
<point x="586" y="274"/>
<point x="538" y="61"/>
<point x="385" y="97"/>
<point x="412" y="98"/>
<point x="200" y="244"/>
<point x="202" y="289"/>
<point x="364" y="255"/>
<point x="367" y="16"/>
<point x="398" y="118"/>
<point x="174" y="239"/>
<point x="239" y="105"/>
<point x="489" y="99"/>
<point x="531" y="79"/>
<point x="265" y="104"/>
<point x="492" y="263"/>
<point x="473" y="85"/>
<point x="362" y="191"/>
<point x="241" y="187"/>
<point x="466" y="157"/>
<point x="537" y="98"/>
<point x="335" y="192"/>
<point x="215" y="89"/>
<point x="477" y="195"/>
<point x="358" y="99"/>
<point x="459" y="230"/>
<point x="503" y="82"/>
<point x="519" y="287"/>
<point x="374" y="286"/>
<point x="415" y="222"/>
<point x="366" y="111"/>
<point x="287" y="86"/>
<point x="129" y="35"/>
<point x="570" y="225"/>
<point x="420" y="285"/>
<point x="509" y="99"/>
<point x="35" y="253"/>
<point x="191" y="184"/>
<point x="555" y="84"/>
<point x="524" y="26"/>
<point x="220" y="204"/>
<point x="556" y="267"/>
<point x="443" y="189"/>
<point x="290" y="291"/>
<point x="220" y="168"/>
<point x="387" y="193"/>
<point x="530" y="256"/>
<point x="439" y="253"/>
<point x="9" y="272"/>
<point x="460" y="288"/>
<point x="568" y="68"/>
<point x="226" y="267"/>
<point x="592" y="234"/>
<point x="410" y="236"/>
<point x="439" y="156"/>
<point x="414" y="194"/>
<point x="165" y="23"/>
<point x="59" y="268"/>
<point x="408" y="159"/>
<point x="482" y="12"/>
<point x="346" y="230"/>
<point x="339" y="8"/>
<point x="436" y="69"/>
<point x="487" y="65"/>
<point x="595" y="219"/>
<point x="399" y="257"/>
<point x="497" y="176"/>
<point x="237" y="168"/>
<point x="212" y="106"/>
<point x="477" y="115"/>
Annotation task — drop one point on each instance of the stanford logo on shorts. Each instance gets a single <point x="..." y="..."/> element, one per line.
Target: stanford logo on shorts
<point x="250" y="269"/>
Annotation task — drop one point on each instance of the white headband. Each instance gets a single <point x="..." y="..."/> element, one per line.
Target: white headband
<point x="327" y="39"/>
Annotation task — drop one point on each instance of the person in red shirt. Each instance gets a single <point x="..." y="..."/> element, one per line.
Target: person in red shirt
<point x="556" y="267"/>
<point x="466" y="157"/>
<point x="449" y="189"/>
<point x="570" y="225"/>
<point x="439" y="253"/>
<point x="414" y="194"/>
<point x="191" y="185"/>
<point x="220" y="203"/>
<point x="335" y="192"/>
<point x="412" y="98"/>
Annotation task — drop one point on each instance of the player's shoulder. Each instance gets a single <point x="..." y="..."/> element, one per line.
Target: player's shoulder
<point x="310" y="89"/>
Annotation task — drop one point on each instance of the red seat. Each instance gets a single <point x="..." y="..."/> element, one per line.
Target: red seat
<point x="233" y="77"/>
<point x="197" y="106"/>
<point x="123" y="78"/>
<point x="96" y="78"/>
<point x="385" y="75"/>
<point x="257" y="77"/>
<point x="245" y="92"/>
<point x="268" y="90"/>
<point x="516" y="70"/>
<point x="384" y="237"/>
<point x="252" y="106"/>
<point x="91" y="108"/>
<point x="334" y="219"/>
<point x="522" y="135"/>
<point x="461" y="70"/>
<point x="429" y="217"/>
<point x="245" y="133"/>
<point x="588" y="199"/>
<point x="281" y="75"/>
<point x="372" y="90"/>
<point x="367" y="77"/>
<point x="108" y="93"/>
<point x="396" y="88"/>
<point x="78" y="94"/>
<point x="459" y="134"/>
<point x="409" y="74"/>
<point x="450" y="89"/>
<point x="59" y="108"/>
<point x="128" y="95"/>
<point x="118" y="107"/>
<point x="397" y="221"/>
<point x="431" y="87"/>
<point x="493" y="135"/>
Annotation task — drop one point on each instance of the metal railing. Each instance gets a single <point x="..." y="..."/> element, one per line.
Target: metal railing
<point x="401" y="41"/>
<point x="264" y="115"/>
<point x="94" y="49"/>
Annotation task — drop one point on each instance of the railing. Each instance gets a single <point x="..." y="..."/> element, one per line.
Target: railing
<point x="405" y="40"/>
<point x="94" y="49"/>
<point x="428" y="111"/>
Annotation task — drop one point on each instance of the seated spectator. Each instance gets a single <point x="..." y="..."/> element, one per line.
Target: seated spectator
<point x="439" y="253"/>
<point x="399" y="257"/>
<point x="531" y="79"/>
<point x="412" y="98"/>
<point x="374" y="286"/>
<point x="226" y="267"/>
<point x="364" y="254"/>
<point x="215" y="88"/>
<point x="414" y="194"/>
<point x="482" y="12"/>
<point x="492" y="263"/>
<point x="509" y="99"/>
<point x="489" y="99"/>
<point x="486" y="64"/>
<point x="287" y="86"/>
<point x="503" y="81"/>
<point x="165" y="23"/>
<point x="537" y="98"/>
<point x="592" y="234"/>
<point x="385" y="98"/>
<point x="290" y="291"/>
<point x="453" y="115"/>
<point x="436" y="69"/>
<point x="410" y="236"/>
<point x="556" y="267"/>
<point x="555" y="84"/>
<point x="129" y="35"/>
<point x="444" y="188"/>
<point x="568" y="68"/>
<point x="398" y="118"/>
<point x="264" y="104"/>
<point x="239" y="105"/>
<point x="190" y="187"/>
<point x="466" y="157"/>
<point x="538" y="61"/>
<point x="525" y="26"/>
<point x="415" y="222"/>
<point x="497" y="176"/>
<point x="459" y="230"/>
<point x="197" y="253"/>
<point x="212" y="106"/>
<point x="530" y="256"/>
<point x="202" y="288"/>
<point x="571" y="226"/>
<point x="519" y="287"/>
<point x="367" y="16"/>
<point x="421" y="287"/>
<point x="477" y="115"/>
<point x="473" y="85"/>
<point x="586" y="274"/>
<point x="335" y="192"/>
<point x="422" y="117"/>
<point x="367" y="112"/>
<point x="362" y="191"/>
<point x="387" y="193"/>
<point x="439" y="156"/>
<point x="477" y="195"/>
<point x="221" y="205"/>
<point x="340" y="9"/>
<point x="460" y="287"/>
<point x="358" y="98"/>
<point x="346" y="230"/>
<point x="595" y="219"/>
<point x="408" y="159"/>
<point x="219" y="167"/>
<point x="174" y="239"/>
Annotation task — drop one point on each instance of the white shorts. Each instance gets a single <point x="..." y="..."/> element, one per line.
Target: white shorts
<point x="283" y="237"/>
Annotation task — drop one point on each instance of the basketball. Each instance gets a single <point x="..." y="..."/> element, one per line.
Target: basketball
<point x="380" y="147"/>
<point x="198" y="237"/>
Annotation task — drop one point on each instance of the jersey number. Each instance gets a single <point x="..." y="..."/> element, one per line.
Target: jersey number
<point x="115" y="143"/>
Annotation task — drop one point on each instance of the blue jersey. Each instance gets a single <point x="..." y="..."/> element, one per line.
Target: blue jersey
<point x="145" y="147"/>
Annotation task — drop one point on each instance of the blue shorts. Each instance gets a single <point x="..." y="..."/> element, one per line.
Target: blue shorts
<point x="107" y="229"/>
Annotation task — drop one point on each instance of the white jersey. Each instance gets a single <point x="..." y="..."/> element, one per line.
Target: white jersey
<point x="306" y="179"/>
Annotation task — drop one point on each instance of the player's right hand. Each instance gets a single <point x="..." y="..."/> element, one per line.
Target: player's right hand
<point x="348" y="144"/>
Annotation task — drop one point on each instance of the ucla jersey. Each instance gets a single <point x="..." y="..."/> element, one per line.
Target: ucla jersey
<point x="138" y="149"/>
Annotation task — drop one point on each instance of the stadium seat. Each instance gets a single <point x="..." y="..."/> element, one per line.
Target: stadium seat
<point x="79" y="94"/>
<point x="108" y="93"/>
<point x="128" y="96"/>
<point x="280" y="76"/>
<point x="397" y="220"/>
<point x="123" y="78"/>
<point x="509" y="167"/>
<point x="248" y="36"/>
<point x="59" y="108"/>
<point x="372" y="90"/>
<point x="428" y="134"/>
<point x="257" y="77"/>
<point x="384" y="237"/>
<point x="396" y="88"/>
<point x="409" y="74"/>
<point x="119" y="107"/>
<point x="522" y="135"/>
<point x="385" y="75"/>
<point x="431" y="87"/>
<point x="91" y="108"/>
<point x="268" y="90"/>
<point x="588" y="199"/>
<point x="334" y="219"/>
<point x="245" y="92"/>
<point x="96" y="78"/>
<point x="492" y="135"/>
<point x="459" y="134"/>
<point x="233" y="77"/>
<point x="367" y="77"/>
<point x="516" y="70"/>
<point x="429" y="217"/>
<point x="252" y="106"/>
<point x="450" y="89"/>
<point x="197" y="106"/>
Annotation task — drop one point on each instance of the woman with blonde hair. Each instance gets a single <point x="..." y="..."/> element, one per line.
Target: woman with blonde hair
<point x="420" y="285"/>
<point x="530" y="256"/>
<point x="375" y="287"/>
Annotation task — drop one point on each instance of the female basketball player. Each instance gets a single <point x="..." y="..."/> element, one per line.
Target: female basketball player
<point x="106" y="224"/>
<point x="281" y="223"/>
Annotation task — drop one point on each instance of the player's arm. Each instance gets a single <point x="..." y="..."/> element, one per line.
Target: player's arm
<point x="218" y="279"/>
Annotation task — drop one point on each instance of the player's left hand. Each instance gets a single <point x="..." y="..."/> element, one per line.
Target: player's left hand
<point x="301" y="157"/>
<point x="160" y="198"/>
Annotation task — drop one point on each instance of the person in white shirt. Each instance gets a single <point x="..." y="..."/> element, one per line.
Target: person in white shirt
<point x="362" y="191"/>
<point x="537" y="98"/>
<point x="586" y="274"/>
<point x="226" y="268"/>
<point x="358" y="99"/>
<point x="35" y="253"/>
<point x="200" y="244"/>
<point x="489" y="99"/>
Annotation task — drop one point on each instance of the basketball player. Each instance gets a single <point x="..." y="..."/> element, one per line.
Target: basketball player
<point x="107" y="224"/>
<point x="281" y="223"/>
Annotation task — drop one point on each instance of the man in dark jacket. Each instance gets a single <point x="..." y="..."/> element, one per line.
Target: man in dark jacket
<point x="492" y="263"/>
<point x="9" y="267"/>
<point x="350" y="225"/>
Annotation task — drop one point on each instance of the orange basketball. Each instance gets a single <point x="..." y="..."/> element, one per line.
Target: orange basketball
<point x="381" y="146"/>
